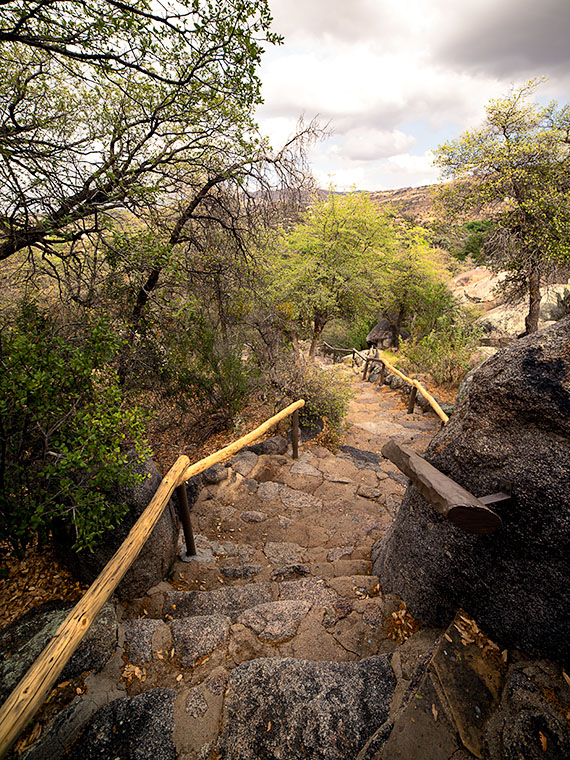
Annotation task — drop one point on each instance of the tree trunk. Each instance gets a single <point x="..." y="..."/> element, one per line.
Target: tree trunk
<point x="317" y="330"/>
<point x="531" y="320"/>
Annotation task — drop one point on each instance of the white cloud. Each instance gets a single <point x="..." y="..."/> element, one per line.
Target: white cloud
<point x="387" y="75"/>
<point x="367" y="144"/>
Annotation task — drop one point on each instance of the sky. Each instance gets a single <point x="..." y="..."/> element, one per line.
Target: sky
<point x="393" y="79"/>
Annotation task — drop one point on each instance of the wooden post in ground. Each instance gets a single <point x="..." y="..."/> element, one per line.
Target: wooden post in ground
<point x="383" y="374"/>
<point x="295" y="433"/>
<point x="366" y="363"/>
<point x="412" y="399"/>
<point x="184" y="514"/>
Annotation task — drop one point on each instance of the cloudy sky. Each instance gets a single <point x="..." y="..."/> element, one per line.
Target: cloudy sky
<point x="395" y="78"/>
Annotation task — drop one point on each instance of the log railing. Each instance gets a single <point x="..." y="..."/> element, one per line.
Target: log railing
<point x="28" y="696"/>
<point x="416" y="386"/>
<point x="447" y="497"/>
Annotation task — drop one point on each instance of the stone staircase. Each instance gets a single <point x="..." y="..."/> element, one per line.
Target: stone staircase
<point x="274" y="641"/>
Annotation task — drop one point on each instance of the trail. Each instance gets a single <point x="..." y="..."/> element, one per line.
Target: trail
<point x="275" y="640"/>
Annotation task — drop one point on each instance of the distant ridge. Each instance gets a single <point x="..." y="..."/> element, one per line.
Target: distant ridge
<point x="416" y="202"/>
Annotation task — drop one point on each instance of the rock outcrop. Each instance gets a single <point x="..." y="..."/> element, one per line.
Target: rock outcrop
<point x="160" y="551"/>
<point x="512" y="424"/>
<point x="23" y="641"/>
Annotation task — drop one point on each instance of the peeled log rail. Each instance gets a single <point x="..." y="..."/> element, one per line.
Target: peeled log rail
<point x="27" y="697"/>
<point x="233" y="448"/>
<point x="415" y="383"/>
<point x="445" y="495"/>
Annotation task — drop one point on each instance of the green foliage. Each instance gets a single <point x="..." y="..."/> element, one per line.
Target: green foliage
<point x="122" y="105"/>
<point x="348" y="334"/>
<point x="185" y="362"/>
<point x="445" y="350"/>
<point x="411" y="290"/>
<point x="326" y="392"/>
<point x="64" y="435"/>
<point x="330" y="262"/>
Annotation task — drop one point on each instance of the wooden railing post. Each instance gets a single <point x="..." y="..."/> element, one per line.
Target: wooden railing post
<point x="366" y="363"/>
<point x="295" y="433"/>
<point x="184" y="514"/>
<point x="412" y="399"/>
<point x="383" y="374"/>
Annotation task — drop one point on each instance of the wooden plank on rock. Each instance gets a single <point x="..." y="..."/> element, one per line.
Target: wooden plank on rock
<point x="445" y="495"/>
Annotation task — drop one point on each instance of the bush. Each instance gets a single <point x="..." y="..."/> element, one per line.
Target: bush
<point x="205" y="376"/>
<point x="444" y="352"/>
<point x="343" y="334"/>
<point x="64" y="436"/>
<point x="326" y="392"/>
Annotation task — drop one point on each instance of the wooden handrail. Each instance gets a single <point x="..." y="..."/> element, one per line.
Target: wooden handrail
<point x="233" y="448"/>
<point x="447" y="497"/>
<point x="27" y="697"/>
<point x="433" y="403"/>
<point x="415" y="383"/>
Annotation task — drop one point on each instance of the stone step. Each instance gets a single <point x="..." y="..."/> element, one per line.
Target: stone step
<point x="293" y="709"/>
<point x="232" y="600"/>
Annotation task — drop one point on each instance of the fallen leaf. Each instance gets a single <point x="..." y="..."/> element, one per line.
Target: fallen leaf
<point x="543" y="742"/>
<point x="434" y="712"/>
<point x="268" y="726"/>
<point x="179" y="677"/>
<point x="566" y="677"/>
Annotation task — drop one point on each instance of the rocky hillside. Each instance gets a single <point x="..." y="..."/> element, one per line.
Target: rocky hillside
<point x="416" y="202"/>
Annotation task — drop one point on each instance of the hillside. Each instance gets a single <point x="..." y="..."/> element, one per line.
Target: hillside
<point x="416" y="202"/>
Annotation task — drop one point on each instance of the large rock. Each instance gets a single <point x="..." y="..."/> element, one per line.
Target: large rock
<point x="532" y="718"/>
<point x="158" y="553"/>
<point x="509" y="319"/>
<point x="292" y="709"/>
<point x="385" y="335"/>
<point x="130" y="728"/>
<point x="513" y="424"/>
<point x="22" y="642"/>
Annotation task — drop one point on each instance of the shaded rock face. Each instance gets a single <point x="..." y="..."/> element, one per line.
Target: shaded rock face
<point x="158" y="553"/>
<point x="130" y="728"/>
<point x="534" y="702"/>
<point x="382" y="335"/>
<point x="292" y="709"/>
<point x="512" y="423"/>
<point x="23" y="641"/>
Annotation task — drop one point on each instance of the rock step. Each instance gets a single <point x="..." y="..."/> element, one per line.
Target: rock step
<point x="293" y="709"/>
<point x="228" y="563"/>
<point x="234" y="599"/>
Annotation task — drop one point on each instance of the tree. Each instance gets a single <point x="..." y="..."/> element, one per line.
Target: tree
<point x="66" y="439"/>
<point x="331" y="260"/>
<point x="516" y="166"/>
<point x="129" y="155"/>
<point x="112" y="111"/>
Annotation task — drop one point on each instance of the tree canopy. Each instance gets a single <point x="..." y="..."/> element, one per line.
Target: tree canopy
<point x="348" y="258"/>
<point x="516" y="166"/>
<point x="107" y="105"/>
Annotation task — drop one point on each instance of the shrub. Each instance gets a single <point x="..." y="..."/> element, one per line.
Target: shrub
<point x="64" y="436"/>
<point x="342" y="334"/>
<point x="444" y="352"/>
<point x="326" y="392"/>
<point x="204" y="376"/>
